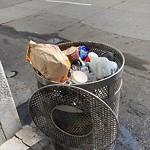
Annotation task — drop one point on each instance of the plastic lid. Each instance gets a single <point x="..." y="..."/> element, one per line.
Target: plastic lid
<point x="71" y="50"/>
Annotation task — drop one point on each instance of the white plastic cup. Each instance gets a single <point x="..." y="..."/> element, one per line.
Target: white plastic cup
<point x="79" y="77"/>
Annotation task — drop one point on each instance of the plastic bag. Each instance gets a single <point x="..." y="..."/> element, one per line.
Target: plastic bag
<point x="102" y="67"/>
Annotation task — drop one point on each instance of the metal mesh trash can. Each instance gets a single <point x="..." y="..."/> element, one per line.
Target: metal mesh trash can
<point x="108" y="89"/>
<point x="73" y="118"/>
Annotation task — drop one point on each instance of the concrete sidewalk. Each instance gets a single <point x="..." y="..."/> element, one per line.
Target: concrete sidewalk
<point x="123" y="24"/>
<point x="125" y="18"/>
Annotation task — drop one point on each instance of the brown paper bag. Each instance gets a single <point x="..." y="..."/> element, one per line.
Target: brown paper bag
<point x="49" y="60"/>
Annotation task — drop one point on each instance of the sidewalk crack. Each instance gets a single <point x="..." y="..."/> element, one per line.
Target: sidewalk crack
<point x="116" y="4"/>
<point x="3" y="131"/>
<point x="24" y="142"/>
<point x="125" y="70"/>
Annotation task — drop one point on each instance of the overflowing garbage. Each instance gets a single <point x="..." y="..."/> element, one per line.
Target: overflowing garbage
<point x="75" y="64"/>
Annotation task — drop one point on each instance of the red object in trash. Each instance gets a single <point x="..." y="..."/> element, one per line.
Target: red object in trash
<point x="87" y="59"/>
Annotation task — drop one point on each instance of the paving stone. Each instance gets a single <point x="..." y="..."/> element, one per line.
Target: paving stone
<point x="28" y="138"/>
<point x="29" y="135"/>
<point x="14" y="144"/>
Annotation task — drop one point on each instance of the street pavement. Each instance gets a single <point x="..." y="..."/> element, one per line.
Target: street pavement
<point x="123" y="24"/>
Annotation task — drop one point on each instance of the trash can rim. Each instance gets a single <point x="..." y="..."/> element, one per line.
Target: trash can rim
<point x="92" y="82"/>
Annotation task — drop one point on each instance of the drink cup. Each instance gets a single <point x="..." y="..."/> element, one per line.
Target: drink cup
<point x="79" y="77"/>
<point x="72" y="53"/>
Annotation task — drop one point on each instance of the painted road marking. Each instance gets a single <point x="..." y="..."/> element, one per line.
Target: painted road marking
<point x="65" y="2"/>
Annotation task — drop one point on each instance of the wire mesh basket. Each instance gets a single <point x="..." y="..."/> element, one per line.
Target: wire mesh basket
<point x="73" y="118"/>
<point x="108" y="89"/>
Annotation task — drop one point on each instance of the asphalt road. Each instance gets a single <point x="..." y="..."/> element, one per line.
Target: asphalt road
<point x="121" y="24"/>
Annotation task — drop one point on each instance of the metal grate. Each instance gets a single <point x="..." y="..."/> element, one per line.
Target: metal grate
<point x="102" y="93"/>
<point x="105" y="88"/>
<point x="73" y="117"/>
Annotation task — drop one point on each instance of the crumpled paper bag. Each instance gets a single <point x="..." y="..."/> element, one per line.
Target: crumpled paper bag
<point x="49" y="60"/>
